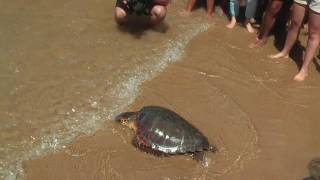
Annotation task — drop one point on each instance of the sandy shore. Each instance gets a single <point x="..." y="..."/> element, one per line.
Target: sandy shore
<point x="265" y="125"/>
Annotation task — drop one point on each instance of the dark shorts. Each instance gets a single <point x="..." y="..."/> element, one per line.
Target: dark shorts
<point x="123" y="6"/>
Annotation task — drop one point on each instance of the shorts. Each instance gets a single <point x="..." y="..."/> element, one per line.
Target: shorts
<point x="123" y="6"/>
<point x="314" y="5"/>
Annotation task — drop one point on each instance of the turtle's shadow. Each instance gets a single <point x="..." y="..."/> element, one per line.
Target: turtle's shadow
<point x="139" y="25"/>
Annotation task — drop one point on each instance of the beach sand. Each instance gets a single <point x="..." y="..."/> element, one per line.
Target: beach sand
<point x="265" y="125"/>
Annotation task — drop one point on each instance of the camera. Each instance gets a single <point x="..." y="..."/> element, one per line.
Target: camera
<point x="139" y="6"/>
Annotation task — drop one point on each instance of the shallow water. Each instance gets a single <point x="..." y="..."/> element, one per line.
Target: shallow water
<point x="66" y="68"/>
<point x="264" y="125"/>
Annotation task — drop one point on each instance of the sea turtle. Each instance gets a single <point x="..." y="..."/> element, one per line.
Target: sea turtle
<point x="161" y="130"/>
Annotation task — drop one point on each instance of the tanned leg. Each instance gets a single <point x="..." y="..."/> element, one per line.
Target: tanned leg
<point x="250" y="12"/>
<point x="269" y="18"/>
<point x="249" y="27"/>
<point x="297" y="16"/>
<point x="234" y="11"/>
<point x="312" y="45"/>
<point x="186" y="12"/>
<point x="210" y="8"/>
<point x="232" y="23"/>
<point x="190" y="5"/>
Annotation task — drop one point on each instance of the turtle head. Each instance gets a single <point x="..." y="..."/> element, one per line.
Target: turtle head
<point x="127" y="119"/>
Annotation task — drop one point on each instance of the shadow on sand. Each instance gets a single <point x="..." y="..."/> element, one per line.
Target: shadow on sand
<point x="138" y="25"/>
<point x="280" y="34"/>
<point x="297" y="52"/>
<point x="317" y="61"/>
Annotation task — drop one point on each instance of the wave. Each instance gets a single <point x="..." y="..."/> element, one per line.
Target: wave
<point x="119" y="97"/>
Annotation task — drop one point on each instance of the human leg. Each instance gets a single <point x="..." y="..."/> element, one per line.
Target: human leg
<point x="158" y="13"/>
<point x="120" y="15"/>
<point x="190" y="5"/>
<point x="297" y="16"/>
<point x="250" y="11"/>
<point x="234" y="11"/>
<point x="210" y="8"/>
<point x="312" y="45"/>
<point x="269" y="18"/>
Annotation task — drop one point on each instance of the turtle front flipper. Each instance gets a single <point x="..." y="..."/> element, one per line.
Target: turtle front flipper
<point x="126" y="115"/>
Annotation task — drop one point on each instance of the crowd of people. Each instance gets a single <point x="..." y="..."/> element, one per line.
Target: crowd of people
<point x="293" y="13"/>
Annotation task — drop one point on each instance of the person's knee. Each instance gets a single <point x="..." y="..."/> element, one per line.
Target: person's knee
<point x="275" y="8"/>
<point x="295" y="24"/>
<point x="159" y="11"/>
<point x="120" y="15"/>
<point x="313" y="34"/>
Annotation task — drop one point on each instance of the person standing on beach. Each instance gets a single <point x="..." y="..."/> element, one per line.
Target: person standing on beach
<point x="269" y="18"/>
<point x="250" y="11"/>
<point x="299" y="10"/>
<point x="156" y="9"/>
<point x="210" y="3"/>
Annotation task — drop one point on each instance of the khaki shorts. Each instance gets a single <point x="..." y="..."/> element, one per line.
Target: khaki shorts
<point x="314" y="5"/>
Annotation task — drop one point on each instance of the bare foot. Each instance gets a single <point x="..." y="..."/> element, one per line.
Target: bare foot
<point x="209" y="16"/>
<point x="252" y="20"/>
<point x="250" y="28"/>
<point x="279" y="55"/>
<point x="184" y="13"/>
<point x="258" y="43"/>
<point x="301" y="76"/>
<point x="232" y="23"/>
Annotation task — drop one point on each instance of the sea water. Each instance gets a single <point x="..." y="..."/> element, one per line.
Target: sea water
<point x="66" y="68"/>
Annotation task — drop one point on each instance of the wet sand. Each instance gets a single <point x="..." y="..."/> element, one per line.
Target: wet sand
<point x="66" y="68"/>
<point x="265" y="125"/>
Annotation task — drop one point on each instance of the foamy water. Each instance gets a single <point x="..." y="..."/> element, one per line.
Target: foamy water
<point x="70" y="70"/>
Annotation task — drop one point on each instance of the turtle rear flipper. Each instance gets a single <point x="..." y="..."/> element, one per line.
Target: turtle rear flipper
<point x="212" y="149"/>
<point x="201" y="156"/>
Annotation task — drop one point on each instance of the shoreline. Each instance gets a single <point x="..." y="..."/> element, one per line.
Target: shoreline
<point x="79" y="106"/>
<point x="243" y="101"/>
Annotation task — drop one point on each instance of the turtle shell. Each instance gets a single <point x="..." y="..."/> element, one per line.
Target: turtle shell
<point x="165" y="131"/>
